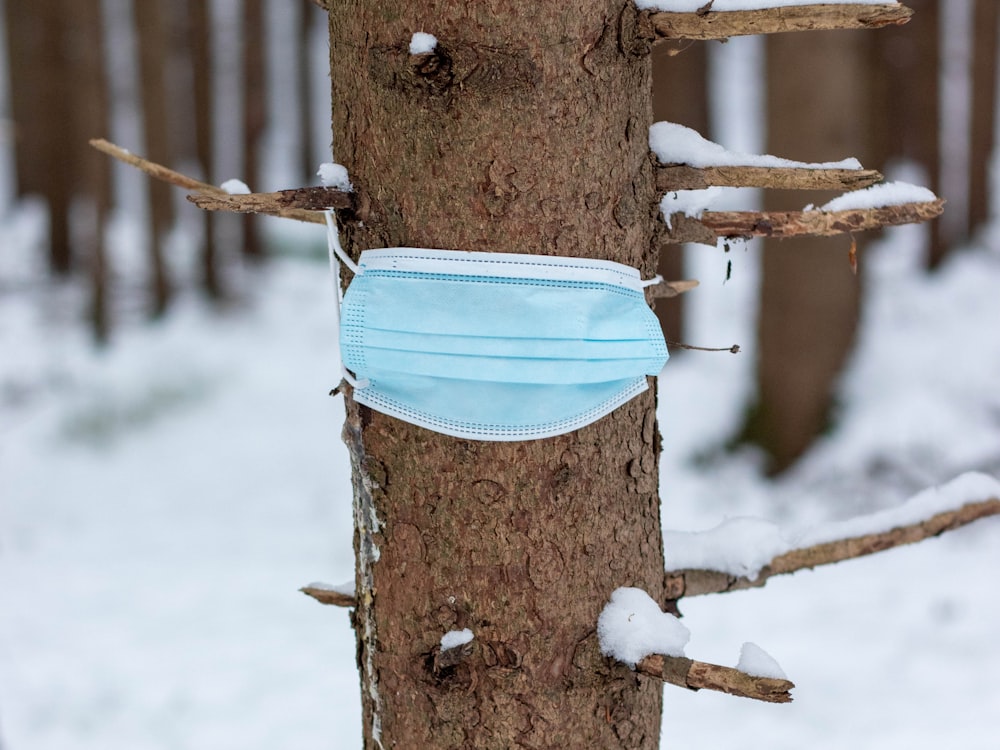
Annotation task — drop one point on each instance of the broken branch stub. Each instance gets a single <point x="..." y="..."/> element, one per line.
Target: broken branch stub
<point x="724" y="24"/>
<point x="329" y="596"/>
<point x="698" y="675"/>
<point x="685" y="177"/>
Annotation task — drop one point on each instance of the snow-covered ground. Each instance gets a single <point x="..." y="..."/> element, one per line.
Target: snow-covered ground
<point x="162" y="501"/>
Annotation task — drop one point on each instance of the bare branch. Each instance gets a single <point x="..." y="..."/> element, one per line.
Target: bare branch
<point x="324" y="4"/>
<point x="329" y="596"/>
<point x="152" y="168"/>
<point x="696" y="582"/>
<point x="684" y="177"/>
<point x="166" y="174"/>
<point x="714" y="225"/>
<point x="724" y="24"/>
<point x="304" y="198"/>
<point x="698" y="675"/>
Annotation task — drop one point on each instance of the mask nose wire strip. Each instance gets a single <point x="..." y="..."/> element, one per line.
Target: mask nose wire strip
<point x="335" y="251"/>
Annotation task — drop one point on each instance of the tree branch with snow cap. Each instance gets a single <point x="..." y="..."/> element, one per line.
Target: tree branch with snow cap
<point x="744" y="553"/>
<point x="635" y="631"/>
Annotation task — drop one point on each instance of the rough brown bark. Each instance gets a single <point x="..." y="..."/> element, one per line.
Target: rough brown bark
<point x="526" y="132"/>
<point x="809" y="297"/>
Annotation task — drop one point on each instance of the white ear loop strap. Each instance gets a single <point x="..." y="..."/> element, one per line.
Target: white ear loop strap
<point x="652" y="282"/>
<point x="333" y="244"/>
<point x="337" y="254"/>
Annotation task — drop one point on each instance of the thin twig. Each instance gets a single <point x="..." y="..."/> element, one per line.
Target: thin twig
<point x="681" y="583"/>
<point x="698" y="675"/>
<point x="173" y="177"/>
<point x="685" y="177"/>
<point x="734" y="349"/>
<point x="715" y="225"/>
<point x="153" y="169"/>
<point x="723" y="24"/>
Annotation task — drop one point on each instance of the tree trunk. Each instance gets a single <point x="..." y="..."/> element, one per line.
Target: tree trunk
<point x="40" y="102"/>
<point x="254" y="115"/>
<point x="199" y="40"/>
<point x="151" y="26"/>
<point x="809" y="298"/>
<point x="526" y="132"/>
<point x="92" y="171"/>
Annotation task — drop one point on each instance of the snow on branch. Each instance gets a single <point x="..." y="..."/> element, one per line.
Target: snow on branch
<point x="699" y="675"/>
<point x="707" y="23"/>
<point x="296" y="206"/>
<point x="686" y="160"/>
<point x="685" y="177"/>
<point x="745" y="553"/>
<point x="635" y="631"/>
<point x="712" y="226"/>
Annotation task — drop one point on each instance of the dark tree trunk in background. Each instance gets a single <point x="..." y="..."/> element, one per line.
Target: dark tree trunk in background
<point x="680" y="94"/>
<point x="809" y="297"/>
<point x="304" y="62"/>
<point x="906" y="117"/>
<point x="986" y="27"/>
<point x="531" y="138"/>
<point x="254" y="115"/>
<point x="41" y="105"/>
<point x="153" y="39"/>
<point x="88" y="84"/>
<point x="200" y="34"/>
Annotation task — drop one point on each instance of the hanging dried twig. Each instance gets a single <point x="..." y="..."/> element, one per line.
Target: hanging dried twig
<point x="724" y="24"/>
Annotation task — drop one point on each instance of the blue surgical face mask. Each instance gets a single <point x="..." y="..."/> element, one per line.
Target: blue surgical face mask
<point x="497" y="346"/>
